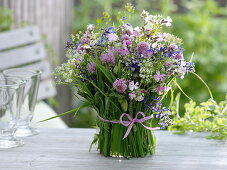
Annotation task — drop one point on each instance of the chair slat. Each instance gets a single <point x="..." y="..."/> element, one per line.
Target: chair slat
<point x="43" y="66"/>
<point x="23" y="55"/>
<point x="14" y="38"/>
<point x="46" y="89"/>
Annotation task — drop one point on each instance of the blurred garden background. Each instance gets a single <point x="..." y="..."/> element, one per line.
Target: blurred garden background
<point x="202" y="24"/>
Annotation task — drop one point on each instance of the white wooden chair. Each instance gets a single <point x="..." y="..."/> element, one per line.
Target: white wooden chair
<point x="23" y="48"/>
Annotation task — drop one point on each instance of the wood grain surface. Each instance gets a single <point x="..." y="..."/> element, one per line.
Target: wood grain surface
<point x="67" y="149"/>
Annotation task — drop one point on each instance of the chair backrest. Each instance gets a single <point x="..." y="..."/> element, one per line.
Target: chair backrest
<point x="23" y="48"/>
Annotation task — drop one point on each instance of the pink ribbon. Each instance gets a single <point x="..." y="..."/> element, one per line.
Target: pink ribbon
<point x="130" y="122"/>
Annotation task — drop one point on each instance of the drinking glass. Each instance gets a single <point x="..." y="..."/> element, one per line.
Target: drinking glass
<point x="32" y="79"/>
<point x="11" y="92"/>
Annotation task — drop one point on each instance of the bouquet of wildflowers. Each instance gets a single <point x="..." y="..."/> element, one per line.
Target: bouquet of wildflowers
<point x="123" y="73"/>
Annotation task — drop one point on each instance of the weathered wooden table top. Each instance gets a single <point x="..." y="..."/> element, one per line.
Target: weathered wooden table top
<point x="66" y="149"/>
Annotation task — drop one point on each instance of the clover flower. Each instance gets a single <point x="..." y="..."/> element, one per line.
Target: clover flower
<point x="91" y="67"/>
<point x="143" y="48"/>
<point x="123" y="51"/>
<point x="108" y="58"/>
<point x="120" y="85"/>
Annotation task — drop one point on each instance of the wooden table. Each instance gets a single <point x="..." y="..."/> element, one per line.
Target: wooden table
<point x="67" y="149"/>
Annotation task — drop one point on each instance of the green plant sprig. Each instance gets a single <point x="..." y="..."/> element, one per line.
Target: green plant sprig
<point x="208" y="116"/>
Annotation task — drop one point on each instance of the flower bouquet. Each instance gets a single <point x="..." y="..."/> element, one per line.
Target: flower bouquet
<point x="123" y="72"/>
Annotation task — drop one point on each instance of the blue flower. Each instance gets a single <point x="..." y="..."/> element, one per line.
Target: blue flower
<point x="134" y="65"/>
<point x="159" y="115"/>
<point x="123" y="18"/>
<point x="111" y="30"/>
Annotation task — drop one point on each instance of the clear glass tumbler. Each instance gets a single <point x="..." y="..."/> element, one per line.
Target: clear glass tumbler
<point x="11" y="92"/>
<point x="32" y="79"/>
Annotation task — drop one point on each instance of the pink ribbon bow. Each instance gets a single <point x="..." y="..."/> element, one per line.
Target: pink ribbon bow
<point x="130" y="122"/>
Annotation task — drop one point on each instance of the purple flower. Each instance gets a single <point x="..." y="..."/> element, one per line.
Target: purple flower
<point x="108" y="58"/>
<point x="160" y="90"/>
<point x="120" y="85"/>
<point x="143" y="48"/>
<point x="112" y="37"/>
<point x="159" y="77"/>
<point x="80" y="49"/>
<point x="123" y="51"/>
<point x="91" y="67"/>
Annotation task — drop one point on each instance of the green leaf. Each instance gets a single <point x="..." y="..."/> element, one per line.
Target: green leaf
<point x="204" y="84"/>
<point x="182" y="90"/>
<point x="69" y="112"/>
<point x="124" y="105"/>
<point x="105" y="71"/>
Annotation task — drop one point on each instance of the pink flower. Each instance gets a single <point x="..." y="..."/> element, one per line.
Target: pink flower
<point x="159" y="77"/>
<point x="112" y="37"/>
<point x="160" y="90"/>
<point x="131" y="96"/>
<point x="120" y="85"/>
<point x="133" y="86"/>
<point x="143" y="48"/>
<point x="91" y="67"/>
<point x="126" y="40"/>
<point x="128" y="29"/>
<point x="108" y="58"/>
<point x="179" y="56"/>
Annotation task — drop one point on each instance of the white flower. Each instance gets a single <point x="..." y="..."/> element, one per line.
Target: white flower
<point x="144" y="13"/>
<point x="90" y="27"/>
<point x="139" y="98"/>
<point x="137" y="29"/>
<point x="168" y="21"/>
<point x="133" y="86"/>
